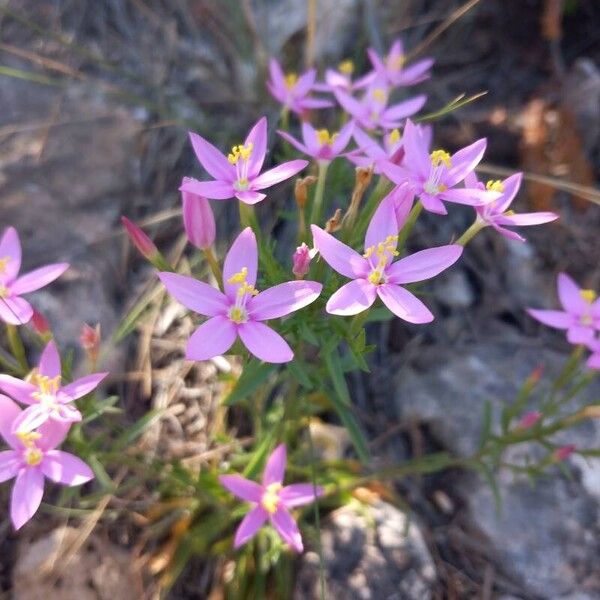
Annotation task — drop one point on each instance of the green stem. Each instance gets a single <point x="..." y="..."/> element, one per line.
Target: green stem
<point x="16" y="347"/>
<point x="213" y="264"/>
<point x="248" y="218"/>
<point x="470" y="233"/>
<point x="317" y="207"/>
<point x="410" y="223"/>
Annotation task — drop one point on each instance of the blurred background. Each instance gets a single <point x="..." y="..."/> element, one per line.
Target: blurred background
<point x="97" y="98"/>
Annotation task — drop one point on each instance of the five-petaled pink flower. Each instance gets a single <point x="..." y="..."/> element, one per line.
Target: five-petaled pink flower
<point x="374" y="273"/>
<point x="293" y="91"/>
<point x="393" y="67"/>
<point x="497" y="213"/>
<point x="581" y="314"/>
<point x="342" y="79"/>
<point x="372" y="110"/>
<point x="238" y="174"/>
<point x="241" y="309"/>
<point x="434" y="176"/>
<point x="33" y="456"/>
<point x="272" y="501"/>
<point x="46" y="398"/>
<point x="320" y="144"/>
<point x="14" y="309"/>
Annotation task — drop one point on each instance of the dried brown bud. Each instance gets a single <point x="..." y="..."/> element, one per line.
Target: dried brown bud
<point x="335" y="222"/>
<point x="301" y="189"/>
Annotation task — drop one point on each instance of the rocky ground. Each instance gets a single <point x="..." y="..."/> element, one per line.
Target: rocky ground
<point x="88" y="142"/>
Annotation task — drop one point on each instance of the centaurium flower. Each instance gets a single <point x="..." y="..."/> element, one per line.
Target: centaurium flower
<point x="371" y="111"/>
<point x="272" y="501"/>
<point x="434" y="176"/>
<point x="238" y="174"/>
<point x="342" y="79"/>
<point x="32" y="457"/>
<point x="320" y="144"/>
<point x="293" y="91"/>
<point x="42" y="391"/>
<point x="392" y="68"/>
<point x="301" y="261"/>
<point x="497" y="213"/>
<point x="198" y="219"/>
<point x="375" y="274"/>
<point x="241" y="309"/>
<point x="580" y="315"/>
<point x="14" y="310"/>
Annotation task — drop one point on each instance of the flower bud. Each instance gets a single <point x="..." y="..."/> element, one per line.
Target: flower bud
<point x="90" y="341"/>
<point x="563" y="453"/>
<point x="301" y="189"/>
<point x="334" y="223"/>
<point x="140" y="240"/>
<point x="529" y="419"/>
<point x="39" y="324"/>
<point x="301" y="261"/>
<point x="198" y="220"/>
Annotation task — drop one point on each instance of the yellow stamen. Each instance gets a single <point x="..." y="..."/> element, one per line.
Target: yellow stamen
<point x="380" y="95"/>
<point x="325" y="137"/>
<point x="346" y="67"/>
<point x="240" y="151"/>
<point x="3" y="291"/>
<point x="398" y="62"/>
<point x="28" y="438"/>
<point x="3" y="263"/>
<point x="291" y="79"/>
<point x="494" y="186"/>
<point x="440" y="156"/>
<point x="47" y="386"/>
<point x="394" y="136"/>
<point x="588" y="295"/>
<point x="270" y="499"/>
<point x="239" y="277"/>
<point x="238" y="315"/>
<point x="33" y="456"/>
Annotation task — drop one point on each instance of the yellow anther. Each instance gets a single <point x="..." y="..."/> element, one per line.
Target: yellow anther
<point x="380" y="95"/>
<point x="394" y="136"/>
<point x="239" y="277"/>
<point x="3" y="263"/>
<point x="442" y="188"/>
<point x="28" y="438"/>
<point x="494" y="186"/>
<point x="291" y="79"/>
<point x="47" y="386"/>
<point x="238" y="315"/>
<point x="325" y="138"/>
<point x="588" y="295"/>
<point x="346" y="67"/>
<point x="246" y="288"/>
<point x="270" y="499"/>
<point x="239" y="151"/>
<point x="3" y="291"/>
<point x="33" y="456"/>
<point x="375" y="277"/>
<point x="398" y="62"/>
<point x="440" y="156"/>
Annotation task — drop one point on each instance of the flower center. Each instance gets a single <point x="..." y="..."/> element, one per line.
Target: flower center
<point x="440" y="163"/>
<point x="346" y="67"/>
<point x="588" y="295"/>
<point x="33" y="456"/>
<point x="379" y="256"/>
<point x="439" y="157"/>
<point x="495" y="186"/>
<point x="240" y="157"/>
<point x="325" y="138"/>
<point x="394" y="136"/>
<point x="270" y="499"/>
<point x="380" y="95"/>
<point x="586" y="320"/>
<point x="3" y="262"/>
<point x="238" y="313"/>
<point x="396" y="63"/>
<point x="291" y="79"/>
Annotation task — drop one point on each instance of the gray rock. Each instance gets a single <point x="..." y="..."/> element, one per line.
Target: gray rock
<point x="371" y="553"/>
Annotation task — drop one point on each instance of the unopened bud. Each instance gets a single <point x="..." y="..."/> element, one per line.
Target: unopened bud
<point x="301" y="261"/>
<point x="39" y="324"/>
<point x="90" y="339"/>
<point x="140" y="240"/>
<point x="335" y="222"/>
<point x="362" y="180"/>
<point x="563" y="453"/>
<point x="536" y="374"/>
<point x="198" y="220"/>
<point x="301" y="189"/>
<point x="529" y="419"/>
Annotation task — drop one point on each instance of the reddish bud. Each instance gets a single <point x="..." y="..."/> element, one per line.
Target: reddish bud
<point x="536" y="374"/>
<point x="90" y="341"/>
<point x="563" y="453"/>
<point x="301" y="261"/>
<point x="39" y="323"/>
<point x="529" y="419"/>
<point x="198" y="220"/>
<point x="140" y="240"/>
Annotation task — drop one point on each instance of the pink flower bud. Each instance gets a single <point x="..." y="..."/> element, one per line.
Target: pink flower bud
<point x="90" y="341"/>
<point x="563" y="453"/>
<point x="39" y="323"/>
<point x="529" y="419"/>
<point x="301" y="261"/>
<point x="140" y="240"/>
<point x="199" y="220"/>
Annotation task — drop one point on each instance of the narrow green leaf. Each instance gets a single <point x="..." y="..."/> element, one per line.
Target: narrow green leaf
<point x="254" y="375"/>
<point x="298" y="370"/>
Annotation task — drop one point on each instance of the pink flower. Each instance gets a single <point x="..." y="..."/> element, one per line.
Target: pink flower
<point x="241" y="309"/>
<point x="562" y="453"/>
<point x="272" y="500"/>
<point x="581" y="314"/>
<point x="238" y="173"/>
<point x="434" y="176"/>
<point x="593" y="361"/>
<point x="529" y="419"/>
<point x="374" y="273"/>
<point x="140" y="240"/>
<point x="372" y="110"/>
<point x="198" y="219"/>
<point x="293" y="91"/>
<point x="301" y="261"/>
<point x="342" y="79"/>
<point x="392" y="68"/>
<point x="320" y="144"/>
<point x="45" y="396"/>
<point x="14" y="309"/>
<point x="32" y="457"/>
<point x="496" y="213"/>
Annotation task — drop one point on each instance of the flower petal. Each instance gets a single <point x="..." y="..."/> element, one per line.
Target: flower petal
<point x="10" y="248"/>
<point x="53" y="434"/>
<point x="250" y="197"/>
<point x="464" y="161"/>
<point x="9" y="412"/>
<point x="274" y="471"/>
<point x="527" y="219"/>
<point x="570" y="295"/>
<point x="383" y="223"/>
<point x="217" y="190"/>
<point x="343" y="138"/>
<point x="368" y="145"/>
<point x="283" y="299"/>
<point x="294" y="142"/>
<point x="26" y="495"/>
<point x="243" y="488"/>
<point x="212" y="338"/>
<point x="38" y="279"/>
<point x="250" y="524"/>
<point x="83" y="386"/>
<point x="15" y="311"/>
<point x="49" y="364"/>
<point x="415" y="73"/>
<point x="264" y="343"/>
<point x="552" y="318"/>
<point x="416" y="153"/>
<point x="409" y="107"/>
<point x="287" y="528"/>
<point x="242" y="254"/>
<point x="580" y="334"/>
<point x="277" y="174"/>
<point x="305" y="82"/>
<point x="352" y="298"/>
<point x="511" y="187"/>
<point x="212" y="159"/>
<point x="20" y="390"/>
<point x="469" y="196"/>
<point x="31" y="418"/>
<point x="404" y="304"/>
<point x="258" y="138"/>
<point x="299" y="494"/>
<point x="424" y="264"/>
<point x="351" y="105"/>
<point x="9" y="465"/>
<point x="593" y="361"/>
<point x="195" y="295"/>
<point x="338" y="256"/>
<point x="65" y="468"/>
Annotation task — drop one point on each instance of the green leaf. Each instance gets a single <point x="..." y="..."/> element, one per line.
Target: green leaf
<point x="453" y="105"/>
<point x="486" y="426"/>
<point x="133" y="432"/>
<point x="298" y="370"/>
<point x="129" y="322"/>
<point x="254" y="375"/>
